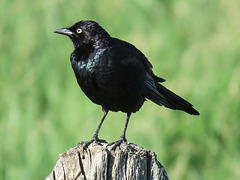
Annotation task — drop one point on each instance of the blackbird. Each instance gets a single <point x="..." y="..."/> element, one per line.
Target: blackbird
<point x="115" y="74"/>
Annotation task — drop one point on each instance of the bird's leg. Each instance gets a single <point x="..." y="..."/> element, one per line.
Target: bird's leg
<point x="123" y="136"/>
<point x="95" y="136"/>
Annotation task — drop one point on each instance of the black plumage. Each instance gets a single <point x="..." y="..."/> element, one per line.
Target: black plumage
<point x="115" y="74"/>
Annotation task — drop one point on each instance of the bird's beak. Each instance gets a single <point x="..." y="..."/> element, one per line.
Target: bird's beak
<point x="64" y="31"/>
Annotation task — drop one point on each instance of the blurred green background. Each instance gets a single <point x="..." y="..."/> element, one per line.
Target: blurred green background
<point x="194" y="45"/>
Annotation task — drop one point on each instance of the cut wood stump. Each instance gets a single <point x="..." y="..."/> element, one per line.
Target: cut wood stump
<point x="107" y="161"/>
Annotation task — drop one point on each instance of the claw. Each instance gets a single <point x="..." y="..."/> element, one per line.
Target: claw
<point x="87" y="143"/>
<point x="96" y="140"/>
<point x="117" y="143"/>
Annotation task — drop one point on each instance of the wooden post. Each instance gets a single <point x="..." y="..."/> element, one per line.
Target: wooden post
<point x="105" y="161"/>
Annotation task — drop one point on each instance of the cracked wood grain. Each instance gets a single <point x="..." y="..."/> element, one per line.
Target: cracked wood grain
<point x="101" y="161"/>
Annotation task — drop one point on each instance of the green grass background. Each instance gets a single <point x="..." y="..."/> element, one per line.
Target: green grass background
<point x="194" y="45"/>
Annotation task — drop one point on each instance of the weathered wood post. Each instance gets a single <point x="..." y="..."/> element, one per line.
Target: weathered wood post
<point x="104" y="161"/>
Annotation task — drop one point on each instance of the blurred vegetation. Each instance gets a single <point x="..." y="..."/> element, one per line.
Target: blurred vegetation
<point x="194" y="45"/>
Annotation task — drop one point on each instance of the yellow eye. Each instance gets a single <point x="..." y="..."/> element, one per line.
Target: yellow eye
<point x="79" y="30"/>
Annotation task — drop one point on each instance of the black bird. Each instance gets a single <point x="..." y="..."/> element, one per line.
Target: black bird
<point x="115" y="74"/>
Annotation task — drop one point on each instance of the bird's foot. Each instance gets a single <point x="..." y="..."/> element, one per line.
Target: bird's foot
<point x="117" y="143"/>
<point x="99" y="141"/>
<point x="96" y="140"/>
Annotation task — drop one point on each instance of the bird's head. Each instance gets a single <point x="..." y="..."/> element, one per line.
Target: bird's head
<point x="86" y="33"/>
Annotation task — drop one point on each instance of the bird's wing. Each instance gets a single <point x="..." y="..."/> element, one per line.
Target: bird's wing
<point x="136" y="67"/>
<point x="122" y="64"/>
<point x="127" y="49"/>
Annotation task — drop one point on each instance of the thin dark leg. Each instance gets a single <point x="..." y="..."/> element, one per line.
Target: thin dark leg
<point x="123" y="136"/>
<point x="95" y="136"/>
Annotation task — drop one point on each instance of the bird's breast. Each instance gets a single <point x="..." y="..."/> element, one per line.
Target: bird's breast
<point x="86" y="70"/>
<point x="86" y="65"/>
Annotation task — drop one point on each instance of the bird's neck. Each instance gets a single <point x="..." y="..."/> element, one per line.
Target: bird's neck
<point x="81" y="53"/>
<point x="101" y="41"/>
<point x="85" y="50"/>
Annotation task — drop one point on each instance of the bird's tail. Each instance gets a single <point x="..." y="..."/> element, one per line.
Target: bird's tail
<point x="174" y="101"/>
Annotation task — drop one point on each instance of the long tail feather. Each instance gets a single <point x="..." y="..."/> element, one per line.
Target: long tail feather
<point x="174" y="101"/>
